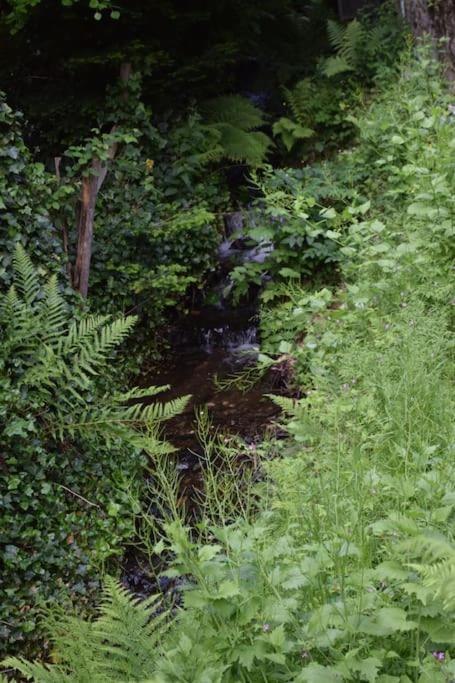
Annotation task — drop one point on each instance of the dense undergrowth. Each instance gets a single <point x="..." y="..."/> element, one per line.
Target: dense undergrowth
<point x="173" y="161"/>
<point x="346" y="570"/>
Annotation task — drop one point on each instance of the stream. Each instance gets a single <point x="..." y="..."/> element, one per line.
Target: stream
<point x="210" y="343"/>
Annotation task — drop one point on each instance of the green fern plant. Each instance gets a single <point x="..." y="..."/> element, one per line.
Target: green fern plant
<point x="120" y="645"/>
<point x="346" y="41"/>
<point x="71" y="450"/>
<point x="55" y="361"/>
<point x="234" y="119"/>
<point x="435" y="566"/>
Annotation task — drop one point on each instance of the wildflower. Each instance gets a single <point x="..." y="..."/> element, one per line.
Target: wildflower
<point x="266" y="628"/>
<point x="149" y="164"/>
<point x="439" y="656"/>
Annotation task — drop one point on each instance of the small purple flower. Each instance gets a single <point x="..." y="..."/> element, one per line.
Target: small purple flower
<point x="266" y="628"/>
<point x="439" y="656"/>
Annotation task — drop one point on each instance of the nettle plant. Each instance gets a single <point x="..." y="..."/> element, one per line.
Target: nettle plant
<point x="71" y="449"/>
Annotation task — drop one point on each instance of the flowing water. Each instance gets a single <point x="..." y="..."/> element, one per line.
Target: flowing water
<point x="215" y="342"/>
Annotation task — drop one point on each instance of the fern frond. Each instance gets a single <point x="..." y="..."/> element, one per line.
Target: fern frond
<point x="234" y="110"/>
<point x="436" y="566"/>
<point x="335" y="31"/>
<point x="127" y="634"/>
<point x="336" y="65"/>
<point x="346" y="41"/>
<point x="39" y="673"/>
<point x="239" y="145"/>
<point x="25" y="275"/>
<point x="352" y="38"/>
<point x="429" y="549"/>
<point x="154" y="413"/>
<point x="53" y="309"/>
<point x="120" y="645"/>
<point x="210" y="156"/>
<point x="94" y="346"/>
<point x="137" y="393"/>
<point x="80" y="331"/>
<point x="9" y="304"/>
<point x="297" y="100"/>
<point x="286" y="404"/>
<point x="234" y="119"/>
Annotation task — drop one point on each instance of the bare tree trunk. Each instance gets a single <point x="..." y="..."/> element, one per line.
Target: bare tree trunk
<point x="89" y="194"/>
<point x="435" y="18"/>
<point x="91" y="185"/>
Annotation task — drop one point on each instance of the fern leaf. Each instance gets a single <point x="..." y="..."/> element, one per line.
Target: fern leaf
<point x="241" y="146"/>
<point x="26" y="277"/>
<point x="336" y="65"/>
<point x="286" y="404"/>
<point x="53" y="310"/>
<point x="82" y="330"/>
<point x="39" y="673"/>
<point x="353" y="35"/>
<point x="346" y="40"/>
<point x="137" y="393"/>
<point x="336" y="33"/>
<point x="120" y="645"/>
<point x="234" y="110"/>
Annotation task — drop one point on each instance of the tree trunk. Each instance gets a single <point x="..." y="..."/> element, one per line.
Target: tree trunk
<point x="435" y="18"/>
<point x="91" y="185"/>
<point x="89" y="194"/>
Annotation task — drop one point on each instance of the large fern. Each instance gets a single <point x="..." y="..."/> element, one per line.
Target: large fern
<point x="235" y="119"/>
<point x="55" y="361"/>
<point x="119" y="646"/>
<point x="346" y="40"/>
<point x="434" y="561"/>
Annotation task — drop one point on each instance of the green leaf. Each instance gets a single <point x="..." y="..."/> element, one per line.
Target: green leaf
<point x="316" y="673"/>
<point x="386" y="621"/>
<point x="228" y="589"/>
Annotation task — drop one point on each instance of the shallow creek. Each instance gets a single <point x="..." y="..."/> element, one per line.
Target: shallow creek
<point x="210" y="343"/>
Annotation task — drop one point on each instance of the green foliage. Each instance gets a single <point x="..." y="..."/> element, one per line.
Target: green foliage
<point x="121" y="644"/>
<point x="235" y="118"/>
<point x="28" y="194"/>
<point x="322" y="108"/>
<point x="346" y="573"/>
<point x="346" y="41"/>
<point x="71" y="449"/>
<point x="299" y="230"/>
<point x="319" y="107"/>
<point x="366" y="45"/>
<point x="20" y="10"/>
<point x="156" y="227"/>
<point x="291" y="132"/>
